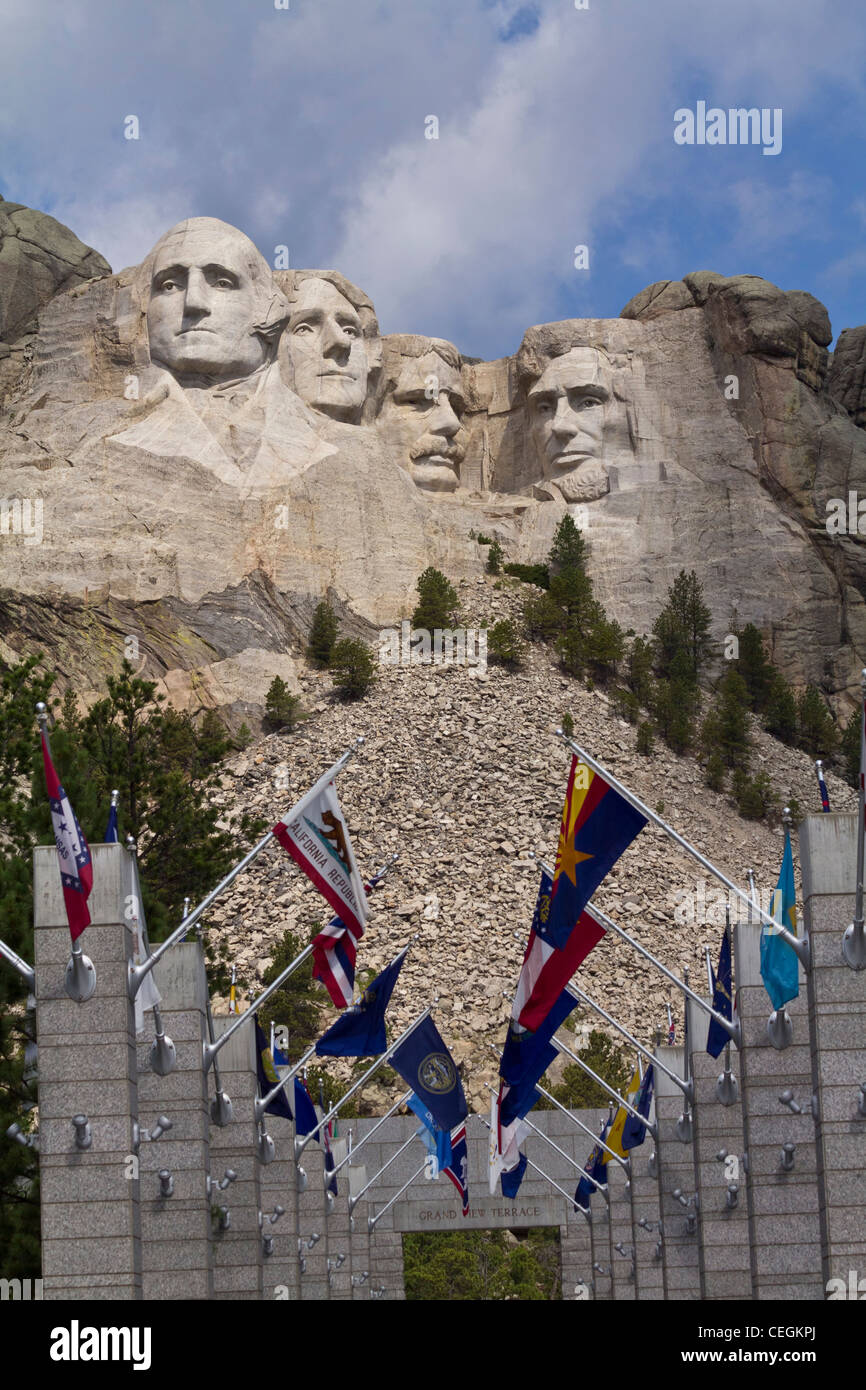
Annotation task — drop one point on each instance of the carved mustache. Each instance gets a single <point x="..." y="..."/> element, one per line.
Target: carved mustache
<point x="438" y="444"/>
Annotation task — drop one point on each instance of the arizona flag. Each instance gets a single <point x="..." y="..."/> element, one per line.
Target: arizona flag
<point x="73" y="852"/>
<point x="318" y="840"/>
<point x="597" y="825"/>
<point x="548" y="966"/>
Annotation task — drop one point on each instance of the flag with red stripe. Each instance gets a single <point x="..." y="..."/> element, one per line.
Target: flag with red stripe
<point x="597" y="825"/>
<point x="456" y="1170"/>
<point x="317" y="838"/>
<point x="547" y="969"/>
<point x="73" y="852"/>
<point x="334" y="956"/>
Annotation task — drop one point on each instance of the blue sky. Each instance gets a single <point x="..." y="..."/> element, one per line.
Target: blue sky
<point x="306" y="128"/>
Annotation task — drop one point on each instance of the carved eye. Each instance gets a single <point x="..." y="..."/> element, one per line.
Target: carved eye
<point x="224" y="283"/>
<point x="589" y="403"/>
<point x="302" y="328"/>
<point x="350" y="330"/>
<point x="167" y="285"/>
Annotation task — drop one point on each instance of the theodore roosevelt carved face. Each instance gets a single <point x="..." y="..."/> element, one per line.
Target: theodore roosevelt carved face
<point x="420" y="414"/>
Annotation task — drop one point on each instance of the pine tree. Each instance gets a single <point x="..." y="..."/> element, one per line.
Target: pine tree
<point x="726" y="726"/>
<point x="438" y="601"/>
<point x="755" y="667"/>
<point x="780" y="714"/>
<point x="504" y="646"/>
<point x="849" y="750"/>
<point x="323" y="634"/>
<point x="282" y="708"/>
<point x="494" y="558"/>
<point x="815" y="727"/>
<point x="683" y="626"/>
<point x="638" y="670"/>
<point x="354" y="668"/>
<point x="569" y="549"/>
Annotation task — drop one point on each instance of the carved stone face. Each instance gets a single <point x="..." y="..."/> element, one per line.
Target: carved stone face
<point x="566" y="409"/>
<point x="327" y="350"/>
<point x="209" y="291"/>
<point x="421" y="420"/>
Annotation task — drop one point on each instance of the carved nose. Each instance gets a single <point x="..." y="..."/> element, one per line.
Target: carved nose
<point x="195" y="301"/>
<point x="566" y="424"/>
<point x="443" y="420"/>
<point x="335" y="343"/>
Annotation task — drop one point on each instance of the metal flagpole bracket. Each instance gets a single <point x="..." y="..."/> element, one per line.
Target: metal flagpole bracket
<point x="221" y="1110"/>
<point x="780" y="1029"/>
<point x="80" y="980"/>
<point x="727" y="1090"/>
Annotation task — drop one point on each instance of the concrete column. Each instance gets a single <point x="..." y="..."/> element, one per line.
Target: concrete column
<point x="837" y="1028"/>
<point x="676" y="1169"/>
<point x="91" y="1222"/>
<point x="237" y="1251"/>
<point x="724" y="1247"/>
<point x="575" y="1244"/>
<point x="645" y="1205"/>
<point x="313" y="1220"/>
<point x="278" y="1184"/>
<point x="784" y="1224"/>
<point x="621" y="1232"/>
<point x="177" y="1243"/>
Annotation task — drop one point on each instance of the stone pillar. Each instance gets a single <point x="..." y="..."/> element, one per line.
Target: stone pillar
<point x="91" y="1223"/>
<point x="724" y="1247"/>
<point x="676" y="1169"/>
<point x="177" y="1244"/>
<point x="621" y="1232"/>
<point x="575" y="1244"/>
<point x="313" y="1220"/>
<point x="784" y="1234"/>
<point x="279" y="1186"/>
<point x="837" y="1027"/>
<point x="649" y="1261"/>
<point x="237" y="1251"/>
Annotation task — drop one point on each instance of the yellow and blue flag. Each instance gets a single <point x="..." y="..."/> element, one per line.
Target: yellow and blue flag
<point x="614" y="1138"/>
<point x="597" y="826"/>
<point x="634" y="1133"/>
<point x="780" y="968"/>
<point x="268" y="1079"/>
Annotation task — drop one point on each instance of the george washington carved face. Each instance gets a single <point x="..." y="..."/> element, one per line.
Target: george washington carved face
<point x="213" y="311"/>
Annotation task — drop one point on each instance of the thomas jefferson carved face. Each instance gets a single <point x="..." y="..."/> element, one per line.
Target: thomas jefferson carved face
<point x="566" y="409"/>
<point x="420" y="417"/>
<point x="213" y="309"/>
<point x="328" y="351"/>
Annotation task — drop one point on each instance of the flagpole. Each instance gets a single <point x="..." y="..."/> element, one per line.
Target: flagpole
<point x="137" y="973"/>
<point x="853" y="943"/>
<point x="261" y="1103"/>
<point x="80" y="981"/>
<point x="163" y="1054"/>
<point x="585" y="999"/>
<point x="604" y="1085"/>
<point x="800" y="945"/>
<point x="732" y="1029"/>
<point x="20" y="965"/>
<point x="371" y="1220"/>
<point x="300" y="1145"/>
<point x="210" y="1050"/>
<point x="540" y="1132"/>
<point x="561" y="1190"/>
<point x="404" y="1100"/>
<point x="353" y="1201"/>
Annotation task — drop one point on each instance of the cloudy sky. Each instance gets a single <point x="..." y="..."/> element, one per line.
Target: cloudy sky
<point x="305" y="126"/>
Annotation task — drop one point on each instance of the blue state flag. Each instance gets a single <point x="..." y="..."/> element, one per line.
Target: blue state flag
<point x="111" y="828"/>
<point x="360" y="1031"/>
<point x="723" y="1000"/>
<point x="426" y="1065"/>
<point x="306" y="1118"/>
<point x="511" y="1178"/>
<point x="526" y="1054"/>
<point x="633" y="1132"/>
<point x="595" y="1167"/>
<point x="518" y="1100"/>
<point x="268" y="1078"/>
<point x="780" y="968"/>
<point x="436" y="1141"/>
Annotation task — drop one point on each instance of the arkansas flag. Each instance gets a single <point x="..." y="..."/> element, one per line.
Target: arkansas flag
<point x="73" y="852"/>
<point x="317" y="838"/>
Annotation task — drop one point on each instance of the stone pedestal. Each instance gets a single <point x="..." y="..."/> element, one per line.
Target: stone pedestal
<point x="676" y="1170"/>
<point x="724" y="1249"/>
<point x="784" y="1234"/>
<point x="649" y="1260"/>
<point x="837" y="1026"/>
<point x="177" y="1244"/>
<point x="279" y="1186"/>
<point x="238" y="1250"/>
<point x="621" y="1233"/>
<point x="91" y="1220"/>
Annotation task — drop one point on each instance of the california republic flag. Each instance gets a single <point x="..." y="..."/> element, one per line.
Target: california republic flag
<point x="73" y="853"/>
<point x="317" y="838"/>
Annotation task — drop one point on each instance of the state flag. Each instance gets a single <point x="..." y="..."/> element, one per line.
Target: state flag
<point x="780" y="968"/>
<point x="317" y="838"/>
<point x="597" y="826"/>
<point x="73" y="852"/>
<point x="547" y="968"/>
<point x="426" y="1065"/>
<point x="360" y="1031"/>
<point x="268" y="1078"/>
<point x="723" y="1000"/>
